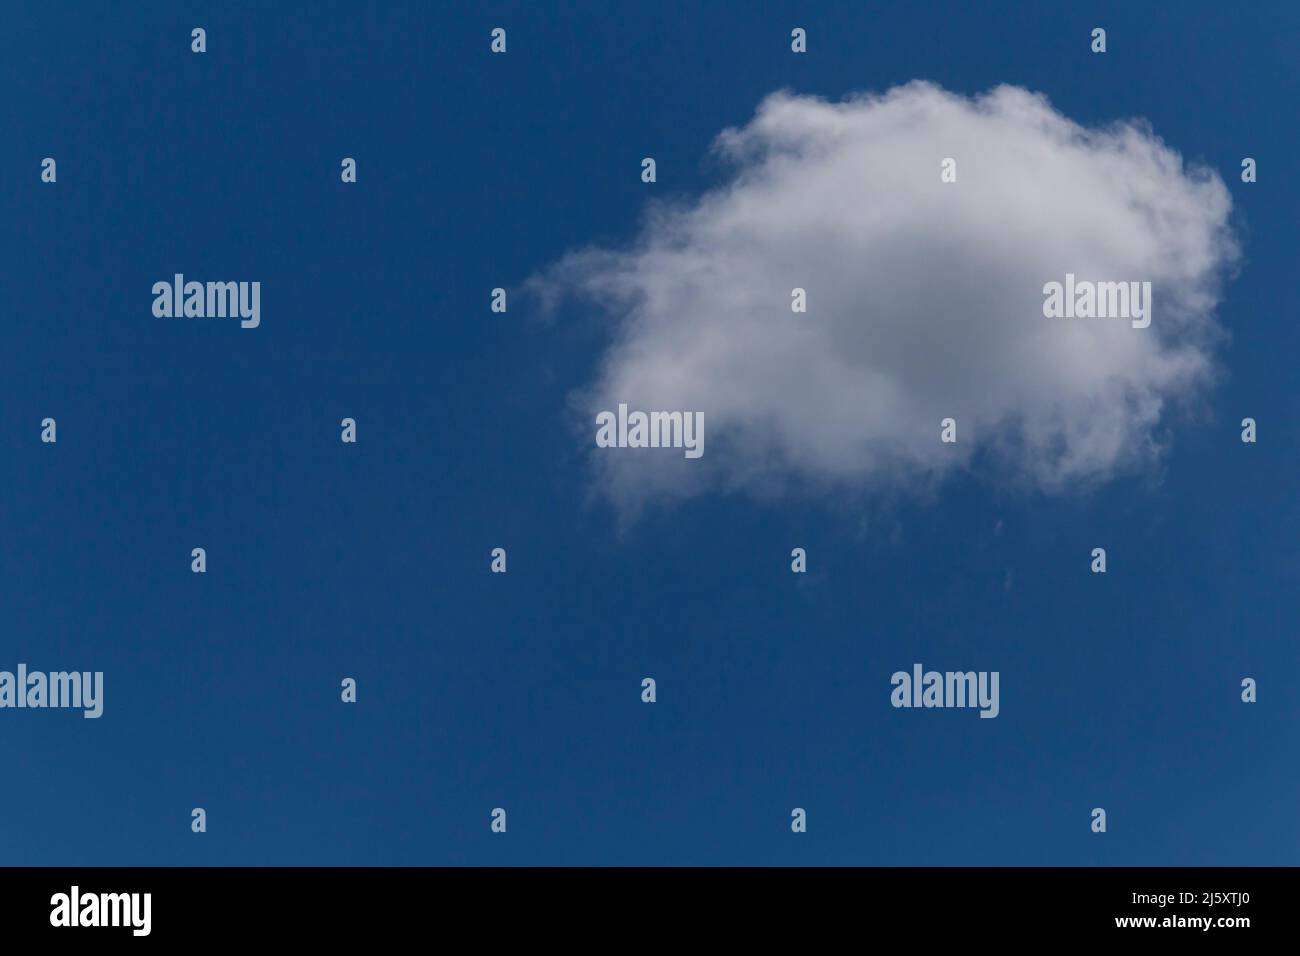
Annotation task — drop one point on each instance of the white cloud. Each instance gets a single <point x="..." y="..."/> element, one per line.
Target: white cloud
<point x="924" y="299"/>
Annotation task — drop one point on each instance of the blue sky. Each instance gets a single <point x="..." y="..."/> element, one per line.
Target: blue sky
<point x="523" y="690"/>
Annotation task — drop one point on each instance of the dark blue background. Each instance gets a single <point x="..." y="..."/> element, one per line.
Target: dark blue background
<point x="522" y="690"/>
